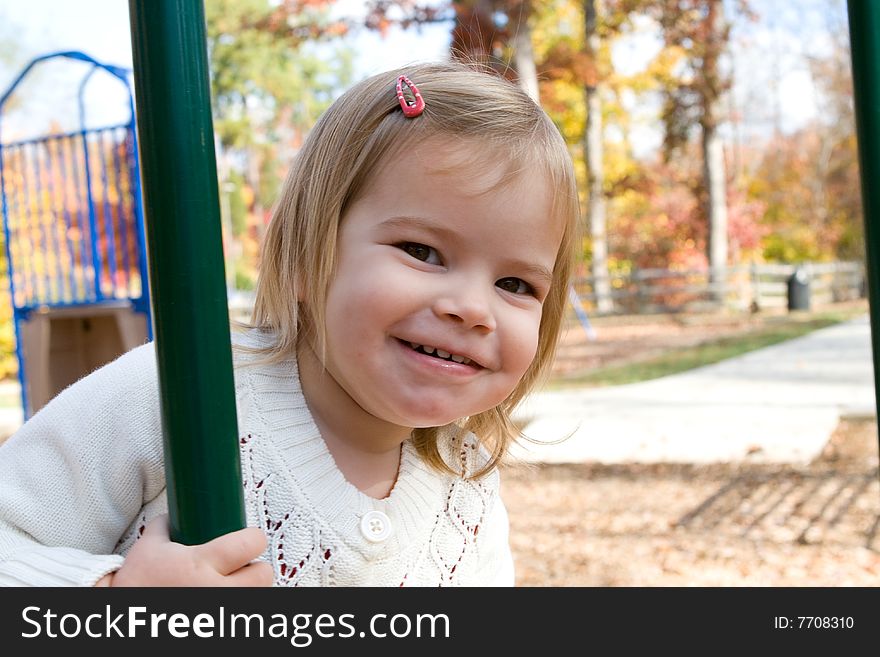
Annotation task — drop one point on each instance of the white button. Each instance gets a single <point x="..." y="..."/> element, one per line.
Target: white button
<point x="375" y="526"/>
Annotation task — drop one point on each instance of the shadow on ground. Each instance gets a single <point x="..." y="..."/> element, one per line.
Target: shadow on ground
<point x="716" y="525"/>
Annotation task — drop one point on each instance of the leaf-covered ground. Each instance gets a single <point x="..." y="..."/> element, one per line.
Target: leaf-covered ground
<point x="688" y="525"/>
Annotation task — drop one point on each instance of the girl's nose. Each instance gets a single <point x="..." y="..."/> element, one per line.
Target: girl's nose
<point x="469" y="310"/>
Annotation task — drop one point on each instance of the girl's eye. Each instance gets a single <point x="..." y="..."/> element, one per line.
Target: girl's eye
<point x="514" y="285"/>
<point x="421" y="252"/>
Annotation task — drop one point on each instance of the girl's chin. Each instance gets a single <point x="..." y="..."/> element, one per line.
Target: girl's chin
<point x="438" y="420"/>
<point x="421" y="420"/>
<point x="420" y="415"/>
<point x="423" y="423"/>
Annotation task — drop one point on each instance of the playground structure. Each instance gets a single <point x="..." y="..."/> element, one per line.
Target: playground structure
<point x="83" y="286"/>
<point x="74" y="237"/>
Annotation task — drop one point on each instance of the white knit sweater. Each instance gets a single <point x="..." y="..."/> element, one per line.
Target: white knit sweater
<point x="79" y="481"/>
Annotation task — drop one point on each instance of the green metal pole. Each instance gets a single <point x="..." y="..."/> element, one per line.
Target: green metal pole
<point x="864" y="29"/>
<point x="187" y="282"/>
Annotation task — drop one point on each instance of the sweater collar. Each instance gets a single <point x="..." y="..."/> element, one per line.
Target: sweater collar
<point x="417" y="496"/>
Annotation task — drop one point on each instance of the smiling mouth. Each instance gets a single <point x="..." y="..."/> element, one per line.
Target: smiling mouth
<point x="440" y="354"/>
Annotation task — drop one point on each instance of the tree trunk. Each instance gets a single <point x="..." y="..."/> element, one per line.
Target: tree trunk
<point x="593" y="158"/>
<point x="716" y="186"/>
<point x="714" y="172"/>
<point x="523" y="54"/>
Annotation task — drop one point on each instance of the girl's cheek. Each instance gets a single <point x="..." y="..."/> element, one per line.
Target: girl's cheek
<point x="523" y="345"/>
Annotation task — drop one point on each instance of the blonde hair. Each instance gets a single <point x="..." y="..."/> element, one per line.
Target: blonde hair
<point x="349" y="143"/>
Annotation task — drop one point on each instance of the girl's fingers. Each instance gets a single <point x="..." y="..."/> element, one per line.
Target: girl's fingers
<point x="225" y="561"/>
<point x="231" y="552"/>
<point x="258" y="573"/>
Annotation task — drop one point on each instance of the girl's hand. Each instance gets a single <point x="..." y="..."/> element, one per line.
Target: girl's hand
<point x="225" y="561"/>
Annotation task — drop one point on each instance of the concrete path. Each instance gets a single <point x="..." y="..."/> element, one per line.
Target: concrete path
<point x="777" y="404"/>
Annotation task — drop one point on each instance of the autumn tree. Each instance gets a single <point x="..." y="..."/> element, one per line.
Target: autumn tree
<point x="699" y="32"/>
<point x="806" y="177"/>
<point x="809" y="178"/>
<point x="838" y="207"/>
<point x="494" y="34"/>
<point x="268" y="86"/>
<point x="581" y="91"/>
<point x="593" y="156"/>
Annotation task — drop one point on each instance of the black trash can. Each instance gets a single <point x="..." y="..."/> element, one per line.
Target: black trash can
<point x="799" y="290"/>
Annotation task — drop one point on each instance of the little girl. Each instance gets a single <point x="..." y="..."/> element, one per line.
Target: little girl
<point x="412" y="286"/>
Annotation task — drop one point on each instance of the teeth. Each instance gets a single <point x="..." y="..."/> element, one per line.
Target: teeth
<point x="440" y="353"/>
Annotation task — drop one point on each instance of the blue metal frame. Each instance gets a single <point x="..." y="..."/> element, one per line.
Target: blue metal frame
<point x="140" y="304"/>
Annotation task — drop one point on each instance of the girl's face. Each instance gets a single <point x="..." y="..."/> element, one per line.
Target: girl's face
<point x="434" y="308"/>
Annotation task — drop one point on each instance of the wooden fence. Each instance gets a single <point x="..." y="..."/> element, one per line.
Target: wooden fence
<point x="745" y="287"/>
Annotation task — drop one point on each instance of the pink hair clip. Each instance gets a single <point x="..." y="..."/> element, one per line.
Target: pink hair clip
<point x="410" y="110"/>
